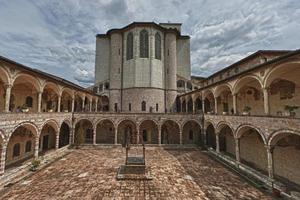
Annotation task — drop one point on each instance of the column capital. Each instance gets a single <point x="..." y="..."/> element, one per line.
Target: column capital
<point x="7" y="85"/>
<point x="270" y="148"/>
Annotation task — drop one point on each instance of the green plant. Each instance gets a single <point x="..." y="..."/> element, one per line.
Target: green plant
<point x="247" y="109"/>
<point x="290" y="108"/>
<point x="34" y="164"/>
<point x="24" y="106"/>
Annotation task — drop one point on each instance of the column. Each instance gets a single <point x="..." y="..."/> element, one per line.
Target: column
<point x="266" y="101"/>
<point x="138" y="136"/>
<point x="193" y="106"/>
<point x="237" y="150"/>
<point x="39" y="101"/>
<point x="96" y="106"/>
<point x="204" y="137"/>
<point x="216" y="106"/>
<point x="159" y="136"/>
<point x="73" y="104"/>
<point x="217" y="143"/>
<point x="59" y="103"/>
<point x="181" y="106"/>
<point x="57" y="140"/>
<point x="71" y="135"/>
<point x="186" y="106"/>
<point x="94" y="136"/>
<point x="116" y="136"/>
<point x="270" y="161"/>
<point x="180" y="137"/>
<point x="83" y="104"/>
<point x="203" y="106"/>
<point x="7" y="97"/>
<point x="36" y="147"/>
<point x="91" y="105"/>
<point x="234" y="103"/>
<point x="3" y="157"/>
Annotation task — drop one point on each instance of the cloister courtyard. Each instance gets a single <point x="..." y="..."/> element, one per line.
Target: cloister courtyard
<point x="176" y="173"/>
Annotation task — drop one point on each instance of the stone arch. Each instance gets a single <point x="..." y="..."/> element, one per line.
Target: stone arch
<point x="148" y="129"/>
<point x="49" y="136"/>
<point x="170" y="132"/>
<point x="188" y="120"/>
<point x="223" y="95"/>
<point x="83" y="118"/>
<point x="226" y="136"/>
<point x="191" y="132"/>
<point x="207" y="122"/>
<point x="29" y="78"/>
<point x="67" y="96"/>
<point x="2" y="135"/>
<point x="105" y="131"/>
<point x="27" y="124"/>
<point x="64" y="134"/>
<point x="243" y="80"/>
<point x="221" y="124"/>
<point x="279" y="134"/>
<point x="242" y="128"/>
<point x="209" y="100"/>
<point x="83" y="131"/>
<point x="53" y="86"/>
<point x="127" y="131"/>
<point x="220" y="88"/>
<point x="4" y="76"/>
<point x="52" y="123"/>
<point x="210" y="132"/>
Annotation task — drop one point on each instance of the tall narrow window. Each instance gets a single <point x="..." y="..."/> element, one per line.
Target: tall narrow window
<point x="156" y="107"/>
<point x="28" y="146"/>
<point x="157" y="46"/>
<point x="144" y="44"/>
<point x="129" y="106"/>
<point x="143" y="106"/>
<point x="16" y="150"/>
<point x="129" y="49"/>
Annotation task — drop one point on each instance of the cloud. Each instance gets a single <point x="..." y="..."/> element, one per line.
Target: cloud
<point x="59" y="36"/>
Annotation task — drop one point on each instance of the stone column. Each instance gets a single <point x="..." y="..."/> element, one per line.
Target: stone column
<point x="36" y="147"/>
<point x="73" y="104"/>
<point x="59" y="103"/>
<point x="94" y="136"/>
<point x="7" y="97"/>
<point x="83" y="101"/>
<point x="217" y="143"/>
<point x="216" y="106"/>
<point x="266" y="101"/>
<point x="204" y="137"/>
<point x="186" y="106"/>
<point x="234" y="103"/>
<point x="181" y="106"/>
<point x="72" y="135"/>
<point x="203" y="106"/>
<point x="3" y="157"/>
<point x="96" y="106"/>
<point x="138" y="136"/>
<point x="57" y="140"/>
<point x="193" y="106"/>
<point x="40" y="101"/>
<point x="116" y="136"/>
<point x="91" y="105"/>
<point x="237" y="150"/>
<point x="270" y="150"/>
<point x="180" y="137"/>
<point x="159" y="136"/>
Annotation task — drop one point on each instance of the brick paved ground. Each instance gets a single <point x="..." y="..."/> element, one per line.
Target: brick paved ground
<point x="90" y="174"/>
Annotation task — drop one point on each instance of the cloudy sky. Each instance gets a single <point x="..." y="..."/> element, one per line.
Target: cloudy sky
<point x="58" y="36"/>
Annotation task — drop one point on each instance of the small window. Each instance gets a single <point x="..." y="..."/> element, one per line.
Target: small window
<point x="129" y="106"/>
<point x="145" y="136"/>
<point x="106" y="86"/>
<point x="191" y="135"/>
<point x="116" y="107"/>
<point x="29" y="101"/>
<point x="16" y="150"/>
<point x="156" y="108"/>
<point x="143" y="106"/>
<point x="28" y="146"/>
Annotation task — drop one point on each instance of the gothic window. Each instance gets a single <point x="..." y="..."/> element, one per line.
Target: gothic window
<point x="144" y="44"/>
<point x="143" y="106"/>
<point x="28" y="146"/>
<point x="129" y="49"/>
<point x="16" y="150"/>
<point x="129" y="106"/>
<point x="29" y="101"/>
<point x="157" y="46"/>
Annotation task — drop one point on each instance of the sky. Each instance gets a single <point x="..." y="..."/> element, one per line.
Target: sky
<point x="58" y="36"/>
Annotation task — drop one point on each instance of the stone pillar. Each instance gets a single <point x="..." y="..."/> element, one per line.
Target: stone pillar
<point x="181" y="106"/>
<point x="83" y="101"/>
<point x="186" y="106"/>
<point x="237" y="150"/>
<point x="266" y="101"/>
<point x="36" y="147"/>
<point x="270" y="150"/>
<point x="180" y="137"/>
<point x="203" y="106"/>
<point x="94" y="136"/>
<point x="159" y="136"/>
<point x="193" y="106"/>
<point x="3" y="157"/>
<point x="216" y="106"/>
<point x="40" y="101"/>
<point x="73" y="104"/>
<point x="234" y="103"/>
<point x="217" y="143"/>
<point x="57" y="140"/>
<point x="116" y="136"/>
<point x="59" y="103"/>
<point x="138" y="136"/>
<point x="72" y="135"/>
<point x="204" y="137"/>
<point x="7" y="97"/>
<point x="96" y="106"/>
<point x="91" y="105"/>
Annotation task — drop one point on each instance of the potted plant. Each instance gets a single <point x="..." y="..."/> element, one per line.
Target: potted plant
<point x="225" y="109"/>
<point x="51" y="108"/>
<point x="246" y="110"/>
<point x="290" y="110"/>
<point x="34" y="164"/>
<point x="24" y="108"/>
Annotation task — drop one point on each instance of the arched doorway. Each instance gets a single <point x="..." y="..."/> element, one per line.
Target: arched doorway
<point x="64" y="135"/>
<point x="66" y="100"/>
<point x="191" y="133"/>
<point x="170" y="132"/>
<point x="84" y="132"/>
<point x="226" y="140"/>
<point x="47" y="138"/>
<point x="252" y="149"/>
<point x="149" y="132"/>
<point x="224" y="99"/>
<point x="209" y="102"/>
<point x="21" y="145"/>
<point x="198" y="105"/>
<point x="286" y="158"/>
<point x="127" y="132"/>
<point x="105" y="132"/>
<point x="211" y="136"/>
<point x="50" y="98"/>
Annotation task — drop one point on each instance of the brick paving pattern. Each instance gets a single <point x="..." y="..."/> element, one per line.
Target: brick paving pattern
<point x="90" y="174"/>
